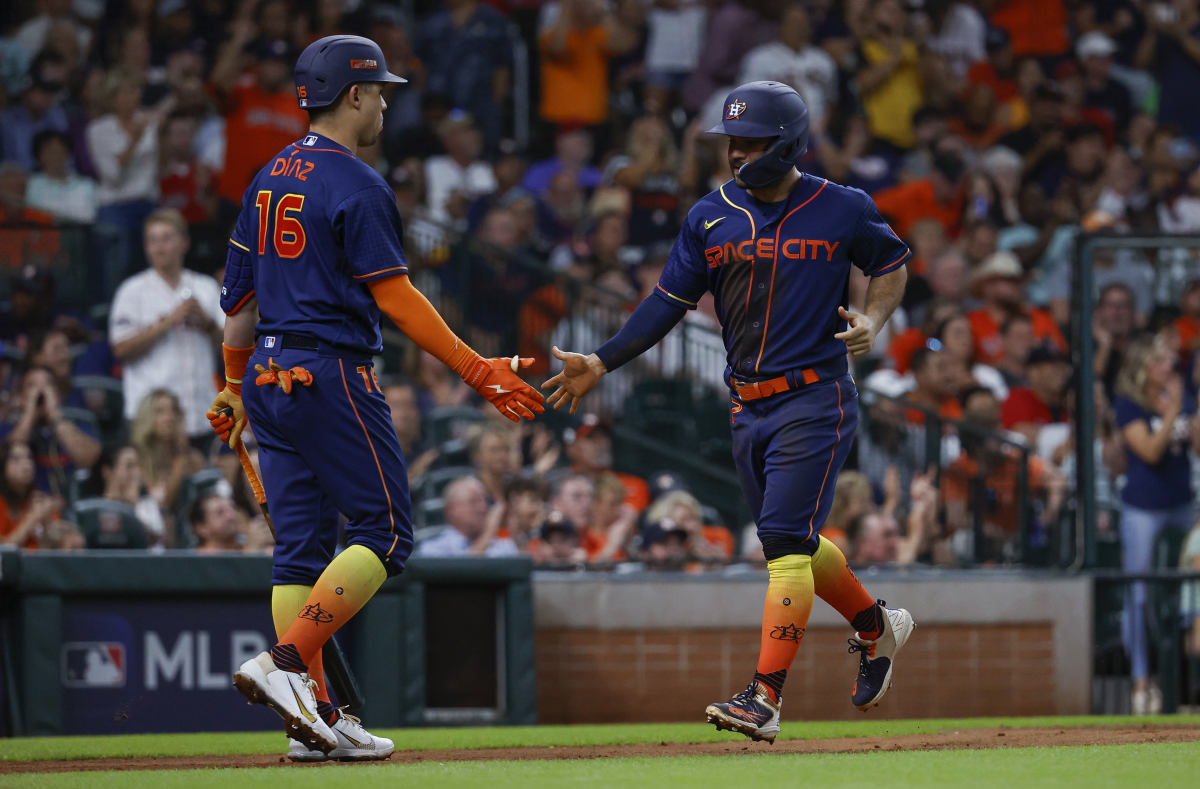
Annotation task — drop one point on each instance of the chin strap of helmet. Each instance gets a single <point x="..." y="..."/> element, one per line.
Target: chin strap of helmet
<point x="776" y="162"/>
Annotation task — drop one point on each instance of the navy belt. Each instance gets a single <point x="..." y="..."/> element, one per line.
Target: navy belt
<point x="304" y="342"/>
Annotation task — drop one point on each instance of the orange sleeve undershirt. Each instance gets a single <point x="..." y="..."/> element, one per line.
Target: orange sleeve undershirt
<point x="415" y="316"/>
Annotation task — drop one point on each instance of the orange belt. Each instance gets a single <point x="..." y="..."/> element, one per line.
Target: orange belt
<point x="759" y="389"/>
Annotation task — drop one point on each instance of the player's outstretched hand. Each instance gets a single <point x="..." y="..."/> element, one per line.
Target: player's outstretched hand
<point x="497" y="381"/>
<point x="226" y="425"/>
<point x="860" y="336"/>
<point x="579" y="375"/>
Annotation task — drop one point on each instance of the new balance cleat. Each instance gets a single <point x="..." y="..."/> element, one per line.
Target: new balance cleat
<point x="751" y="712"/>
<point x="290" y="695"/>
<point x="878" y="657"/>
<point x="355" y="744"/>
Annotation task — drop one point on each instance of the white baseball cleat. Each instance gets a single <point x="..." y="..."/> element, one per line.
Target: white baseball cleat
<point x="877" y="658"/>
<point x="355" y="744"/>
<point x="290" y="695"/>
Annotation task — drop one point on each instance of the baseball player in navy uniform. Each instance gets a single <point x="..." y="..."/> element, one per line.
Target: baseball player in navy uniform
<point x="774" y="246"/>
<point x="313" y="262"/>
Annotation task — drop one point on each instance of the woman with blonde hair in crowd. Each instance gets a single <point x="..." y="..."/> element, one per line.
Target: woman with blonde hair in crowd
<point x="1157" y="422"/>
<point x="160" y="437"/>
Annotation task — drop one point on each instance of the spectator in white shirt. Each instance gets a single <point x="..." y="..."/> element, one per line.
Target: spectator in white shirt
<point x="164" y="325"/>
<point x="55" y="188"/>
<point x="454" y="180"/>
<point x="469" y="531"/>
<point x="793" y="60"/>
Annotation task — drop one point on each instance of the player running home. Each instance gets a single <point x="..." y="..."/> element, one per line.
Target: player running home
<point x="313" y="262"/>
<point x="774" y="246"/>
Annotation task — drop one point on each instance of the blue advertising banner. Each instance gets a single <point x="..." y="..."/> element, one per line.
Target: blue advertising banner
<point x="161" y="665"/>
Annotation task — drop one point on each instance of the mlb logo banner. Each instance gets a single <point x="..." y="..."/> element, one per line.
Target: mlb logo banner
<point x="735" y="110"/>
<point x="93" y="664"/>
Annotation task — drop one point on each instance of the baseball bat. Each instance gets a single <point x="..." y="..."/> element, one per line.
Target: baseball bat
<point x="337" y="668"/>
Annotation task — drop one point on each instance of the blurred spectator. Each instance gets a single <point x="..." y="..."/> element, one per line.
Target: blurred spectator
<point x="589" y="452"/>
<point x="666" y="546"/>
<point x="997" y="284"/>
<point x="439" y="385"/>
<point x="185" y="182"/>
<point x="573" y="150"/>
<point x="1036" y="27"/>
<point x="874" y="539"/>
<point x="123" y="146"/>
<point x="956" y="33"/>
<point x="260" y="108"/>
<point x="523" y="510"/>
<point x="751" y="550"/>
<point x="401" y="396"/>
<point x="164" y="325"/>
<point x="613" y="518"/>
<point x="648" y="170"/>
<point x="1095" y="51"/>
<point x="468" y="56"/>
<point x="933" y="388"/>
<point x="157" y="432"/>
<point x="1157" y="420"/>
<point x="61" y="443"/>
<point x="793" y="60"/>
<point x="558" y="543"/>
<point x="953" y="337"/>
<point x="938" y="196"/>
<point x="34" y="33"/>
<point x="62" y="535"/>
<point x="24" y="510"/>
<point x="978" y="124"/>
<point x="684" y="511"/>
<point x="734" y="28"/>
<point x="998" y="69"/>
<point x="575" y="46"/>
<point x="1187" y="324"/>
<point x="51" y="351"/>
<point x="852" y="498"/>
<point x="39" y="108"/>
<point x="55" y="188"/>
<point x="890" y="81"/>
<point x="674" y="37"/>
<point x="1041" y="140"/>
<point x="122" y="477"/>
<point x="216" y="523"/>
<point x="1016" y="343"/>
<point x="573" y="498"/>
<point x="495" y="456"/>
<point x="1189" y="604"/>
<point x="1169" y="48"/>
<point x="1044" y="402"/>
<point x="459" y="176"/>
<point x="469" y="531"/>
<point x="30" y="306"/>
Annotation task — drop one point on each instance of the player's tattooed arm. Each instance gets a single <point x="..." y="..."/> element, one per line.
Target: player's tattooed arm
<point x="883" y="296"/>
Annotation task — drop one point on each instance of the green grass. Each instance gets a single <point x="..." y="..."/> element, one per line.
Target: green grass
<point x="1160" y="765"/>
<point x="132" y="745"/>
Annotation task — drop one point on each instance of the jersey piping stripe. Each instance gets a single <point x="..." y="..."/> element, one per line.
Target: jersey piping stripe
<point x="381" y="271"/>
<point x="753" y="230"/>
<point x="240" y="304"/>
<point x="327" y="150"/>
<point x="673" y="296"/>
<point x="239" y="245"/>
<point x="832" y="455"/>
<point x="774" y="263"/>
<point x="895" y="264"/>
<point x="371" y="444"/>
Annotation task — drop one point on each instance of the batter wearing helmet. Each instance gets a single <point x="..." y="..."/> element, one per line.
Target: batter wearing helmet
<point x="314" y="261"/>
<point x="774" y="246"/>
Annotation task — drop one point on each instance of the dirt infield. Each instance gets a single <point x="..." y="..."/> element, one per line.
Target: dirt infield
<point x="966" y="739"/>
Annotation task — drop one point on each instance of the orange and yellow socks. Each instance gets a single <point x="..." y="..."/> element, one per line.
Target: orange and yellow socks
<point x="785" y="616"/>
<point x="349" y="581"/>
<point x="836" y="584"/>
<point x="286" y="601"/>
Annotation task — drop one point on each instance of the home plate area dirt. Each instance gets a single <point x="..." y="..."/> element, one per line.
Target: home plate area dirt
<point x="968" y="739"/>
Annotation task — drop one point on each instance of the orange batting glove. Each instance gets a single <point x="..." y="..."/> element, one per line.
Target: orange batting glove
<point x="285" y="379"/>
<point x="497" y="381"/>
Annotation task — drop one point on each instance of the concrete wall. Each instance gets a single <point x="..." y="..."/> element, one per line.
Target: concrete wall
<point x="659" y="647"/>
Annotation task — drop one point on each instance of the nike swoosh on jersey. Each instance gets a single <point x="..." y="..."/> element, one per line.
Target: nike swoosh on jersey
<point x="499" y="389"/>
<point x="709" y="225"/>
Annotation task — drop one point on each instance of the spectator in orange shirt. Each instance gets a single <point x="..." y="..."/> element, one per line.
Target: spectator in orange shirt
<point x="575" y="49"/>
<point x="1036" y="27"/>
<point x="933" y="390"/>
<point x="999" y="71"/>
<point x="938" y="196"/>
<point x="978" y="122"/>
<point x="997" y="283"/>
<point x="24" y="510"/>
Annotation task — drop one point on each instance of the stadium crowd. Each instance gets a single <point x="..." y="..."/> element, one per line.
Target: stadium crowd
<point x="542" y="156"/>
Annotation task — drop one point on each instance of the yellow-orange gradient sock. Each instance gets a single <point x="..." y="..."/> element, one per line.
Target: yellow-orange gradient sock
<point x="785" y="616"/>
<point x="836" y="584"/>
<point x="287" y="600"/>
<point x="349" y="581"/>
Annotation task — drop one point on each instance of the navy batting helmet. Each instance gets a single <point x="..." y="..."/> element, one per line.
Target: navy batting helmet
<point x="767" y="109"/>
<point x="329" y="65"/>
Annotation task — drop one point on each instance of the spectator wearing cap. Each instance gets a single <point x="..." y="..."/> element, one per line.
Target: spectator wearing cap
<point x="454" y="179"/>
<point x="998" y="70"/>
<point x="997" y="284"/>
<point x="1044" y="402"/>
<point x="38" y="108"/>
<point x="1095" y="51"/>
<point x="261" y="112"/>
<point x="164" y="324"/>
<point x="937" y="196"/>
<point x="589" y="452"/>
<point x="575" y="45"/>
<point x="684" y="510"/>
<point x="794" y="60"/>
<point x="665" y="545"/>
<point x="889" y="81"/>
<point x="1041" y="140"/>
<point x="55" y="188"/>
<point x="1170" y="49"/>
<point x="468" y="56"/>
<point x="557" y="543"/>
<point x="469" y="531"/>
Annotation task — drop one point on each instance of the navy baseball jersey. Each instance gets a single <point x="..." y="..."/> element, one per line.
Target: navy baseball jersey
<point x="779" y="271"/>
<point x="317" y="224"/>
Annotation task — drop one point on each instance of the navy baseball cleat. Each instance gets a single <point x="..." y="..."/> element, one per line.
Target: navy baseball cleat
<point x="878" y="657"/>
<point x="751" y="712"/>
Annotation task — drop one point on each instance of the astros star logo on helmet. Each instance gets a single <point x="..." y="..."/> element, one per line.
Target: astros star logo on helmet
<point x="736" y="108"/>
